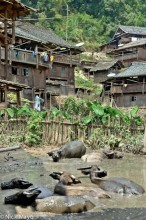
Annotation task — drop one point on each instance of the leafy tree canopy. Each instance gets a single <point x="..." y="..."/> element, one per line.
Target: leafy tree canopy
<point x="91" y="21"/>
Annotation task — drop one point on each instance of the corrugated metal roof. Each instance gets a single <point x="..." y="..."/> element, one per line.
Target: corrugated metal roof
<point x="136" y="69"/>
<point x="133" y="29"/>
<point x="103" y="65"/>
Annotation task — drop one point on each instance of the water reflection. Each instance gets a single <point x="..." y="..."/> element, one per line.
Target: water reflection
<point x="36" y="170"/>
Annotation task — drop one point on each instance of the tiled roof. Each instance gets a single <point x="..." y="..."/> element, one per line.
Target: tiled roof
<point x="136" y="69"/>
<point x="133" y="29"/>
<point x="103" y="65"/>
<point x="21" y="33"/>
<point x="41" y="35"/>
<point x="13" y="84"/>
<point x="14" y="6"/>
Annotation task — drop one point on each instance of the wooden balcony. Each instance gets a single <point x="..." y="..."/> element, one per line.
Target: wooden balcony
<point x="127" y="89"/>
<point x="116" y="89"/>
<point x="65" y="59"/>
<point x="123" y="57"/>
<point x="28" y="57"/>
<point x="139" y="54"/>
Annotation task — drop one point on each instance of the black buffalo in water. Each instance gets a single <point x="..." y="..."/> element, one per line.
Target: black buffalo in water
<point x="25" y="197"/>
<point x="100" y="172"/>
<point x="65" y="178"/>
<point x="45" y="191"/>
<point x="73" y="149"/>
<point x="16" y="183"/>
<point x="119" y="185"/>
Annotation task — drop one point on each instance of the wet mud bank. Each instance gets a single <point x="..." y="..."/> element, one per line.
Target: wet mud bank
<point x="36" y="169"/>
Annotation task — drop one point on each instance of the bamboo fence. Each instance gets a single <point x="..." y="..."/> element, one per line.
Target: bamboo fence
<point x="60" y="132"/>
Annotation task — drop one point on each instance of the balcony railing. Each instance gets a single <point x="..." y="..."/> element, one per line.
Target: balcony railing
<point x="29" y="57"/>
<point x="65" y="59"/>
<point x="122" y="57"/>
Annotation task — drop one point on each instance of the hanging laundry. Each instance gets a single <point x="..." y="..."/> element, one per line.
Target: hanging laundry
<point x="25" y="72"/>
<point x="33" y="53"/>
<point x="17" y="53"/>
<point x="37" y="103"/>
<point x="51" y="58"/>
<point x="46" y="58"/>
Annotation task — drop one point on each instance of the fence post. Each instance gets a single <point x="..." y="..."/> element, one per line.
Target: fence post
<point x="144" y="150"/>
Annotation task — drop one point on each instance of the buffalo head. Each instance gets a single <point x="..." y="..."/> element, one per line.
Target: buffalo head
<point x="26" y="197"/>
<point x="16" y="183"/>
<point x="56" y="155"/>
<point x="99" y="171"/>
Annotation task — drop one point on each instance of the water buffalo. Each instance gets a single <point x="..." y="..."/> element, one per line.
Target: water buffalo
<point x="65" y="185"/>
<point x="16" y="183"/>
<point x="64" y="204"/>
<point x="116" y="184"/>
<point x="76" y="190"/>
<point x="73" y="149"/>
<point x="101" y="172"/>
<point x="65" y="178"/>
<point x="110" y="154"/>
<point x="45" y="191"/>
<point x="98" y="156"/>
<point x="25" y="197"/>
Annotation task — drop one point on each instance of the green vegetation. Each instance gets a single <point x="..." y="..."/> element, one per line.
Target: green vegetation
<point x="88" y="84"/>
<point x="33" y="118"/>
<point x="91" y="21"/>
<point x="82" y="113"/>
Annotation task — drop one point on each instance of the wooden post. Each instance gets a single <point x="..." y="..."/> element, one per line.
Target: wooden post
<point x="144" y="149"/>
<point x="5" y="94"/>
<point x="6" y="43"/>
<point x="13" y="29"/>
<point x="111" y="99"/>
<point x="33" y="97"/>
<point x="18" y="98"/>
<point x="50" y="101"/>
<point x="109" y="126"/>
<point x="37" y="57"/>
<point x="0" y="57"/>
<point x="143" y="85"/>
<point x="45" y="98"/>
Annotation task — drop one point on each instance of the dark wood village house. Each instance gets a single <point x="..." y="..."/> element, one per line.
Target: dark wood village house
<point x="126" y="87"/>
<point x="9" y="11"/>
<point x="37" y="58"/>
<point x="102" y="69"/>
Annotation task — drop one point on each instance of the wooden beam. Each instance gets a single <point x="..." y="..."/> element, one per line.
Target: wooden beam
<point x="45" y="98"/>
<point x="13" y="29"/>
<point x="0" y="57"/>
<point x="37" y="57"/>
<point x="143" y="85"/>
<point x="6" y="93"/>
<point x="33" y="97"/>
<point x="6" y="43"/>
<point x="18" y="98"/>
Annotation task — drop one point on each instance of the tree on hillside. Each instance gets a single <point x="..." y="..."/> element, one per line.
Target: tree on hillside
<point x="91" y="21"/>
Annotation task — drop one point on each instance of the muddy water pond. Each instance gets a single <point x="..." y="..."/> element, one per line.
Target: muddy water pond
<point x="36" y="169"/>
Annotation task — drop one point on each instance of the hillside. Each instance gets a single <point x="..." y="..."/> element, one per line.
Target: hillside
<point x="90" y="21"/>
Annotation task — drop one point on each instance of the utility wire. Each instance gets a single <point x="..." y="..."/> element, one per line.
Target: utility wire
<point x="36" y="19"/>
